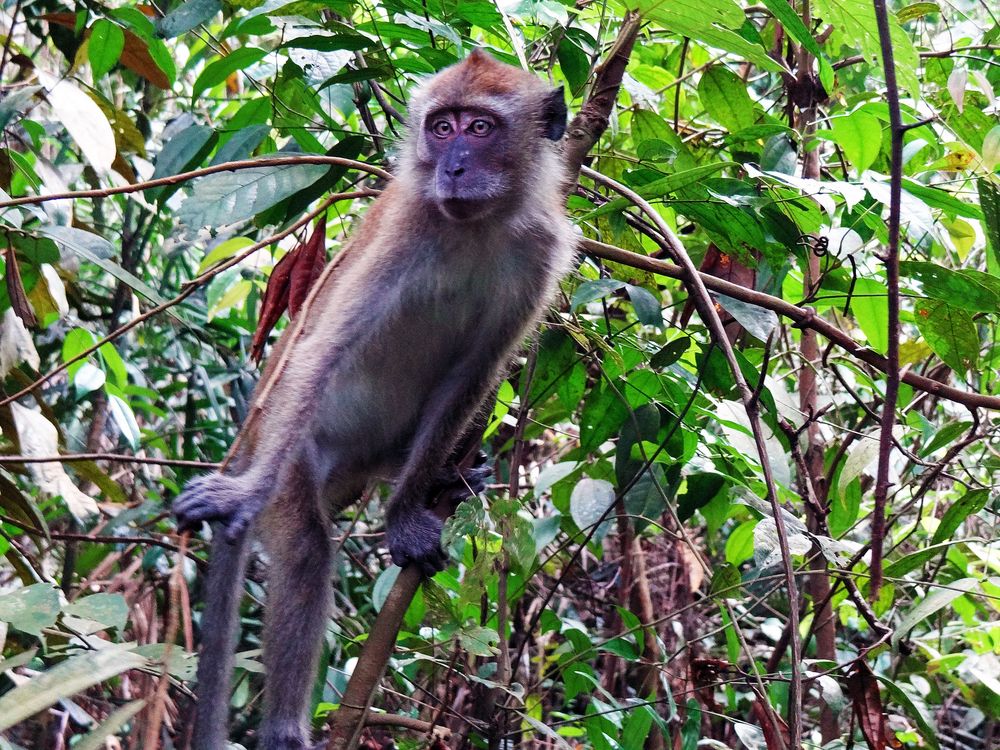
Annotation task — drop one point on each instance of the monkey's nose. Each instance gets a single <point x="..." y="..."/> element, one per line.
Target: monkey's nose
<point x="455" y="171"/>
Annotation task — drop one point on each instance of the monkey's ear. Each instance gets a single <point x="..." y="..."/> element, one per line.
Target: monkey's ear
<point x="554" y="114"/>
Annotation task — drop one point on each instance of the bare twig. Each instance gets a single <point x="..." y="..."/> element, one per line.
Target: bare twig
<point x="174" y="179"/>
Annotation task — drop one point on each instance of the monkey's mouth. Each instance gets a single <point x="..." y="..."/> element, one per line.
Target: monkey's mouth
<point x="463" y="209"/>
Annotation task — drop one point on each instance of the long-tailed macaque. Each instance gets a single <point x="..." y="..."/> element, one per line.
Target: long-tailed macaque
<point x="392" y="356"/>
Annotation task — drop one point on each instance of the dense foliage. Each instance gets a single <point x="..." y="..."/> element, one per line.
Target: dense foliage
<point x="634" y="577"/>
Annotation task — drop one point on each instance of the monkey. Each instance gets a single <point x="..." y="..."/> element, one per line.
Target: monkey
<point x="390" y="360"/>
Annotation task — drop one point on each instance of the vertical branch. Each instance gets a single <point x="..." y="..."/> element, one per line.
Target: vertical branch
<point x="812" y="479"/>
<point x="891" y="260"/>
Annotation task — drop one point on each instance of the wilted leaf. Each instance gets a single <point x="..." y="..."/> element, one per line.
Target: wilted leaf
<point x="15" y="289"/>
<point x="863" y="691"/>
<point x="16" y="344"/>
<point x="38" y="437"/>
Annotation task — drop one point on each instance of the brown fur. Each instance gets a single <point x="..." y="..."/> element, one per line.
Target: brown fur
<point x="391" y="357"/>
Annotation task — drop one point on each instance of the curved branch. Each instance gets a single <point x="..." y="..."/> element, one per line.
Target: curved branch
<point x="803" y="316"/>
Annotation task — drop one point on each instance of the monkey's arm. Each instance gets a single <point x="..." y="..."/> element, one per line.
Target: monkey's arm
<point x="413" y="531"/>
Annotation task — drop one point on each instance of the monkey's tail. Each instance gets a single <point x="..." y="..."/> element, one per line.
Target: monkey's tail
<point x="218" y="638"/>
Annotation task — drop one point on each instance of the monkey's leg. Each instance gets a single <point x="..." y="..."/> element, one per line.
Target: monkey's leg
<point x="218" y="636"/>
<point x="298" y="597"/>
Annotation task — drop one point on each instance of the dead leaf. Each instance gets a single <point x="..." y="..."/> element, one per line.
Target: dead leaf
<point x="308" y="267"/>
<point x="289" y="285"/>
<point x="15" y="289"/>
<point x="38" y="437"/>
<point x="135" y="55"/>
<point x="16" y="345"/>
<point x="862" y="687"/>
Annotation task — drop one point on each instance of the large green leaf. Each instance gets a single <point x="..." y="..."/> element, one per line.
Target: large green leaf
<point x="63" y="680"/>
<point x="227" y="197"/>
<point x="950" y="332"/>
<point x="950" y="286"/>
<point x="724" y="95"/>
<point x="860" y="135"/>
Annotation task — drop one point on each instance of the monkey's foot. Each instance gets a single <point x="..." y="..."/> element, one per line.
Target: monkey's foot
<point x="220" y="498"/>
<point x="414" y="536"/>
<point x="457" y="484"/>
<point x="283" y="735"/>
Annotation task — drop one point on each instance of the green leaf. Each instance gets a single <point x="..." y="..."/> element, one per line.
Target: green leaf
<point x="104" y="46"/>
<point x="30" y="609"/>
<point x="77" y="340"/>
<point x="383" y="585"/>
<point x="860" y="135"/>
<point x="65" y="679"/>
<point x="479" y="641"/>
<point x="726" y="582"/>
<point x="950" y="332"/>
<point x="969" y="504"/>
<point x="96" y="740"/>
<point x="989" y="199"/>
<point x="991" y="149"/>
<point x="187" y="16"/>
<point x="950" y="286"/>
<point x="870" y="305"/>
<point x="915" y="10"/>
<point x="182" y="152"/>
<point x="220" y="70"/>
<point x="948" y="202"/>
<point x="589" y="291"/>
<point x="660" y="187"/>
<point x="670" y="353"/>
<point x="97" y="250"/>
<point x="930" y="604"/>
<point x="647" y="307"/>
<point x="227" y="197"/>
<point x="786" y="15"/>
<point x="725" y="97"/>
<point x="711" y="22"/>
<point x="701" y="489"/>
<point x="589" y="503"/>
<point x="928" y="730"/>
<point x="107" y="609"/>
<point x="739" y="545"/>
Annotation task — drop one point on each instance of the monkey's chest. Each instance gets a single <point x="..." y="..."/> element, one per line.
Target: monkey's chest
<point x="397" y="365"/>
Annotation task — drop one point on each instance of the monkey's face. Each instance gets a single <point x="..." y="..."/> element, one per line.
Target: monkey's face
<point x="469" y="151"/>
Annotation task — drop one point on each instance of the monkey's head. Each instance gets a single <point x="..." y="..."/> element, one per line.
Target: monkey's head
<point x="479" y="132"/>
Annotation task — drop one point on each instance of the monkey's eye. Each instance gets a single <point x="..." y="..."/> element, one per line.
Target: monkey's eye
<point x="480" y="127"/>
<point x="441" y="128"/>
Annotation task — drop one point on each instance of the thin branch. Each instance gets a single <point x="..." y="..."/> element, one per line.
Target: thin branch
<point x="229" y="166"/>
<point x="117" y="457"/>
<point x="892" y="285"/>
<point x="802" y="316"/>
<point x="710" y="316"/>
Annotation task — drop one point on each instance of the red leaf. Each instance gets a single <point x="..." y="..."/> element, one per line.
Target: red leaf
<point x="289" y="285"/>
<point x="275" y="302"/>
<point x="312" y="258"/>
<point x="863" y="689"/>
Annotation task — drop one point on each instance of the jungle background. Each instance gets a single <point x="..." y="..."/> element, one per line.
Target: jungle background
<point x="752" y="507"/>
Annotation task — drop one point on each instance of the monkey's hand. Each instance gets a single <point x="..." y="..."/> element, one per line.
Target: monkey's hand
<point x="216" y="497"/>
<point x="413" y="534"/>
